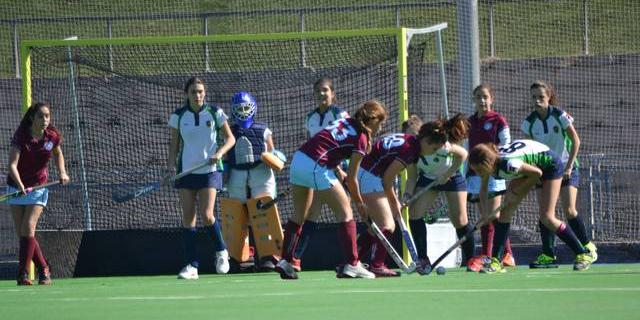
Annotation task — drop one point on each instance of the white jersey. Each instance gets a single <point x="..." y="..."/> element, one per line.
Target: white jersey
<point x="198" y="136"/>
<point x="552" y="131"/>
<point x="317" y="121"/>
<point x="435" y="165"/>
<point x="519" y="152"/>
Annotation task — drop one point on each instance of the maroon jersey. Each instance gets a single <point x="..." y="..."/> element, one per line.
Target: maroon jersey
<point x="487" y="129"/>
<point x="336" y="143"/>
<point x="34" y="155"/>
<point x="398" y="146"/>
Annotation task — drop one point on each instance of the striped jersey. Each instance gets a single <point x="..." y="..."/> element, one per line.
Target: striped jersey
<point x="317" y="121"/>
<point x="336" y="143"/>
<point x="435" y="165"/>
<point x="552" y="131"/>
<point x="519" y="152"/>
<point x="198" y="136"/>
<point x="397" y="146"/>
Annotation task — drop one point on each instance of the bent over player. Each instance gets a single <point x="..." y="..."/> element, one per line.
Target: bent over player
<point x="440" y="159"/>
<point x="388" y="157"/>
<point x="250" y="181"/>
<point x="524" y="163"/>
<point x="311" y="173"/>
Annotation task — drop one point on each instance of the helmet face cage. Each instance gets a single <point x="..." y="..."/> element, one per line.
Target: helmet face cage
<point x="244" y="111"/>
<point x="243" y="106"/>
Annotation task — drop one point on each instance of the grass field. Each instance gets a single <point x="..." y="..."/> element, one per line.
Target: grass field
<point x="604" y="292"/>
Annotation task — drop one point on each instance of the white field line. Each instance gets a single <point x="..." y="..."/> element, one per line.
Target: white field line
<point x="370" y="291"/>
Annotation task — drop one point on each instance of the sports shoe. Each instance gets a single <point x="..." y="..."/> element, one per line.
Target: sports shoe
<point x="508" y="260"/>
<point x="583" y="261"/>
<point x="296" y="264"/>
<point x="593" y="250"/>
<point x="383" y="272"/>
<point x="543" y="261"/>
<point x="475" y="264"/>
<point x="495" y="266"/>
<point x="222" y="262"/>
<point x="44" y="276"/>
<point x="357" y="271"/>
<point x="286" y="270"/>
<point x="266" y="264"/>
<point x="23" y="279"/>
<point x="189" y="272"/>
<point x="423" y="267"/>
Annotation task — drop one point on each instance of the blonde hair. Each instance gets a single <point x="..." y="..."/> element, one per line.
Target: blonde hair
<point x="372" y="109"/>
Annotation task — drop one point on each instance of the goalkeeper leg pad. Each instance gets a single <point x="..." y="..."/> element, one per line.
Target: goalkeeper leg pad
<point x="234" y="228"/>
<point x="266" y="227"/>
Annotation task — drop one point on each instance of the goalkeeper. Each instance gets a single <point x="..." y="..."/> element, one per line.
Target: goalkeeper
<point x="251" y="178"/>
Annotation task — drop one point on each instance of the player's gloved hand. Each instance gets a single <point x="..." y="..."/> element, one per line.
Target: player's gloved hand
<point x="406" y="197"/>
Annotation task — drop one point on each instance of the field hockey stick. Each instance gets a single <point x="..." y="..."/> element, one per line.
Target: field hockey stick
<point x="270" y="203"/>
<point x="416" y="196"/>
<point x="19" y="193"/>
<point x="390" y="249"/>
<point x="126" y="196"/>
<point x="480" y="223"/>
<point x="406" y="235"/>
<point x="408" y="239"/>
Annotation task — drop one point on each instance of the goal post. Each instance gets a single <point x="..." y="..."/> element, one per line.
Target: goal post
<point x="111" y="97"/>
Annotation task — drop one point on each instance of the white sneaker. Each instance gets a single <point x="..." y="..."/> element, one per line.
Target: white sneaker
<point x="189" y="272"/>
<point x="222" y="261"/>
<point x="357" y="271"/>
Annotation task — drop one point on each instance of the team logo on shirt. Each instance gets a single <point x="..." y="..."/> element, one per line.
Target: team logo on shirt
<point x="209" y="124"/>
<point x="48" y="145"/>
<point x="556" y="129"/>
<point x="487" y="126"/>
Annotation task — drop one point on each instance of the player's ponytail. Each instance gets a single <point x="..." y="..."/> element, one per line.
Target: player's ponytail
<point x="457" y="128"/>
<point x="553" y="97"/>
<point x="434" y="131"/>
<point x="372" y="109"/>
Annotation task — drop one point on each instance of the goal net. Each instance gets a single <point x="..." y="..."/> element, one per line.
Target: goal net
<point x="112" y="98"/>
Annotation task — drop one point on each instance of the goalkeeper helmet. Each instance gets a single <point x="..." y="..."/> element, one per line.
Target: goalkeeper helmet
<point x="243" y="108"/>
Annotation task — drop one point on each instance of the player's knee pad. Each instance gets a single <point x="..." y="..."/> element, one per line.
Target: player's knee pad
<point x="234" y="228"/>
<point x="266" y="227"/>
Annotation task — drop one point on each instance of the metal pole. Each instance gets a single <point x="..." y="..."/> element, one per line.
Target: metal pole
<point x="16" y="53"/>
<point x="110" y="34"/>
<point x="303" y="49"/>
<point x="591" y="202"/>
<point x="74" y="105"/>
<point x="443" y="82"/>
<point x="468" y="50"/>
<point x="492" y="44"/>
<point x="205" y="31"/>
<point x="585" y="27"/>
